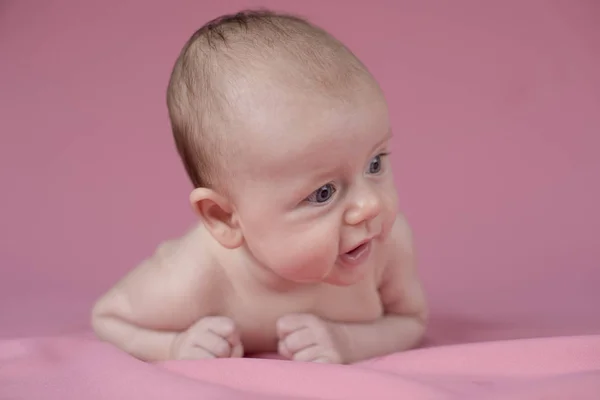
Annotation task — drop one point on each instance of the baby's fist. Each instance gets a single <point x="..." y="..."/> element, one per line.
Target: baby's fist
<point x="210" y="337"/>
<point x="306" y="337"/>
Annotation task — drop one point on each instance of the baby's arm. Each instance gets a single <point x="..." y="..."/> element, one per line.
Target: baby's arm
<point x="166" y="294"/>
<point x="406" y="312"/>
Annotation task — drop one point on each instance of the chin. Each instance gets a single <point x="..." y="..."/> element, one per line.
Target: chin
<point x="344" y="280"/>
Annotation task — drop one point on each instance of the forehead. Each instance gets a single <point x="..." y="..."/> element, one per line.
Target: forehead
<point x="300" y="133"/>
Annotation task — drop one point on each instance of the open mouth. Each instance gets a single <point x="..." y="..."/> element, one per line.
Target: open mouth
<point x="357" y="255"/>
<point x="356" y="252"/>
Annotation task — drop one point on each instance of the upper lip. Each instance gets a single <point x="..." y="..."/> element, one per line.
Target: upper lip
<point x="358" y="244"/>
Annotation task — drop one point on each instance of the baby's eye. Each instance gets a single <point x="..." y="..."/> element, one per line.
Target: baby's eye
<point x="322" y="194"/>
<point x="375" y="166"/>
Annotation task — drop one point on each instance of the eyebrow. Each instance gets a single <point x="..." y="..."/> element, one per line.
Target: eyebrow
<point x="387" y="137"/>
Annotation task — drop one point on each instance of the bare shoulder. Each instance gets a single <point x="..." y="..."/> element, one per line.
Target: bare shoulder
<point x="400" y="287"/>
<point x="171" y="289"/>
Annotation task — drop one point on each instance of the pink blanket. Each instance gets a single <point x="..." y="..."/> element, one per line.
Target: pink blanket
<point x="72" y="367"/>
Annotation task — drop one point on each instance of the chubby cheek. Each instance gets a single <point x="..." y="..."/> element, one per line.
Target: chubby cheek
<point x="391" y="207"/>
<point x="298" y="258"/>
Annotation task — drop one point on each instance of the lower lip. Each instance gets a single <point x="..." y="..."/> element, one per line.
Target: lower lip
<point x="359" y="257"/>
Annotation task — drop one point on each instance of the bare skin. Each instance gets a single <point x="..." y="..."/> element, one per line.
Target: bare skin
<point x="183" y="303"/>
<point x="304" y="253"/>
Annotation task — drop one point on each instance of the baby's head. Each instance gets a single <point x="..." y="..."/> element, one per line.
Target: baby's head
<point x="284" y="135"/>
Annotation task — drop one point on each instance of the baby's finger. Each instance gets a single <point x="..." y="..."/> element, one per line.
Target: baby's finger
<point x="290" y="323"/>
<point x="234" y="338"/>
<point x="311" y="353"/>
<point x="214" y="344"/>
<point x="237" y="351"/>
<point x="222" y="326"/>
<point x="195" y="353"/>
<point x="298" y="340"/>
<point x="283" y="351"/>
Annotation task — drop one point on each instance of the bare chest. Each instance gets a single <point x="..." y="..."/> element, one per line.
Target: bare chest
<point x="256" y="313"/>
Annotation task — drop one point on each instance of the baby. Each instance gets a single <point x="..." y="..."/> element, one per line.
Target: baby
<point x="300" y="248"/>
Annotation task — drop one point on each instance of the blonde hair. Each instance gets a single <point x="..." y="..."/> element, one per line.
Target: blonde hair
<point x="228" y="47"/>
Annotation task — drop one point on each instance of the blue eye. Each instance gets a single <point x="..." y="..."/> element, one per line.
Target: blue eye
<point x="322" y="194"/>
<point x="375" y="166"/>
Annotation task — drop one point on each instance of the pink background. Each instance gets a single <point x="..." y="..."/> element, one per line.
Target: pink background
<point x="495" y="105"/>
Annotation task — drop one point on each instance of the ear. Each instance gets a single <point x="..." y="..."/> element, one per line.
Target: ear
<point x="218" y="215"/>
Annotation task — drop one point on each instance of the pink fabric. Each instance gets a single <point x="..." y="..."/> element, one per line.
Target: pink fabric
<point x="79" y="368"/>
<point x="495" y="111"/>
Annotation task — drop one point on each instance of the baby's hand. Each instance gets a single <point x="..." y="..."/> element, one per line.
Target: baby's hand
<point x="210" y="337"/>
<point x="306" y="337"/>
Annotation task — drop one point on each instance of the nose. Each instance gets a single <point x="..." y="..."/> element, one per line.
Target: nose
<point x="365" y="206"/>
